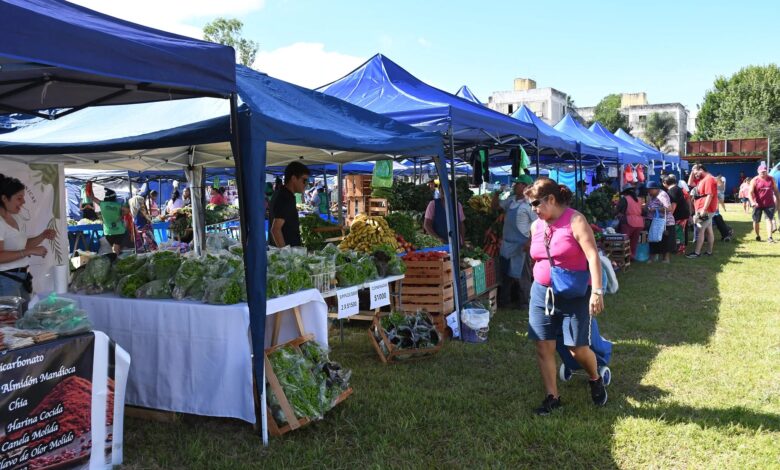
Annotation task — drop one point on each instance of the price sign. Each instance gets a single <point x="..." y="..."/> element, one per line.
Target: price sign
<point x="380" y="294"/>
<point x="348" y="302"/>
<point x="452" y="322"/>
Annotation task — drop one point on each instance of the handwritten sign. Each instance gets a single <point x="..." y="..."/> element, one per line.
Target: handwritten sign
<point x="348" y="302"/>
<point x="380" y="294"/>
<point x="452" y="322"/>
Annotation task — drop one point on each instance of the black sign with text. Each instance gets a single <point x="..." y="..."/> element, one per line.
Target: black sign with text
<point x="46" y="404"/>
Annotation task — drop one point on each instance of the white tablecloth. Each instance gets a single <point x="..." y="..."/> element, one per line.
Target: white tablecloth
<point x="314" y="312"/>
<point x="191" y="357"/>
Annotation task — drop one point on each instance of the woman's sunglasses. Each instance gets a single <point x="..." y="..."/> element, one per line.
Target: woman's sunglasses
<point x="536" y="202"/>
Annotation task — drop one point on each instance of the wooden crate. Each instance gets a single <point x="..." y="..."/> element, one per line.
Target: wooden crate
<point x="395" y="354"/>
<point x="618" y="251"/>
<point x="438" y="272"/>
<point x="358" y="185"/>
<point x="378" y="206"/>
<point x="293" y="423"/>
<point x="356" y="206"/>
<point x="491" y="273"/>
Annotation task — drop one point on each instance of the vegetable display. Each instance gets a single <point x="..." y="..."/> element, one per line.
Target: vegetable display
<point x="407" y="332"/>
<point x="310" y="381"/>
<point x="403" y="224"/>
<point x="311" y="239"/>
<point x="366" y="232"/>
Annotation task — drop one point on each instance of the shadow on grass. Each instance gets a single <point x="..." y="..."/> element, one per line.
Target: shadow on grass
<point x="471" y="406"/>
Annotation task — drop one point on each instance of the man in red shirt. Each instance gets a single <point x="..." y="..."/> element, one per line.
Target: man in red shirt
<point x="706" y="205"/>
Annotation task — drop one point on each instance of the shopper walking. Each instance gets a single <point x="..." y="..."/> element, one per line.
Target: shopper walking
<point x="744" y="194"/>
<point x="659" y="205"/>
<point x="516" y="241"/>
<point x="567" y="288"/>
<point x="629" y="212"/>
<point x="764" y="199"/>
<point x="680" y="209"/>
<point x="706" y="205"/>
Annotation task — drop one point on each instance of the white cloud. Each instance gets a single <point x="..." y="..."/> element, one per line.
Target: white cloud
<point x="172" y="15"/>
<point x="306" y="64"/>
<point x="424" y="42"/>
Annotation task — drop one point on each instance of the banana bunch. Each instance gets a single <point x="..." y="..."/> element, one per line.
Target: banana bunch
<point x="367" y="232"/>
<point x="482" y="203"/>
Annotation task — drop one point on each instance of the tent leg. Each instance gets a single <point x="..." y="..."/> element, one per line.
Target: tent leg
<point x="340" y="195"/>
<point x="249" y="150"/>
<point x="453" y="218"/>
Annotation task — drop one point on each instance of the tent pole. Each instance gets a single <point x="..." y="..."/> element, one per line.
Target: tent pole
<point x="340" y="195"/>
<point x="250" y="170"/>
<point x="453" y="221"/>
<point x="325" y="185"/>
<point x="537" y="161"/>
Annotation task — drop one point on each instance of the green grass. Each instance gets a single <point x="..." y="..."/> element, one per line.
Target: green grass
<point x="696" y="385"/>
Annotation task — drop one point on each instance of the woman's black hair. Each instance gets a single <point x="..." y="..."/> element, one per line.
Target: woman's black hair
<point x="110" y="195"/>
<point x="629" y="191"/>
<point x="8" y="187"/>
<point x="175" y="196"/>
<point x="221" y="190"/>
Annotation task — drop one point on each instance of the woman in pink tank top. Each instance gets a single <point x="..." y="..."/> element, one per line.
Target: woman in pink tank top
<point x="629" y="211"/>
<point x="564" y="236"/>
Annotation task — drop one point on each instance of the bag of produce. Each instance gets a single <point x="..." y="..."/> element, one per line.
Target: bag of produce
<point x="276" y="286"/>
<point x="218" y="241"/>
<point x="129" y="265"/>
<point x="97" y="277"/>
<point x="189" y="279"/>
<point x="55" y="314"/>
<point x="302" y="389"/>
<point x="336" y="378"/>
<point x="223" y="291"/>
<point x="368" y="268"/>
<point x="159" y="289"/>
<point x="128" y="285"/>
<point x="163" y="265"/>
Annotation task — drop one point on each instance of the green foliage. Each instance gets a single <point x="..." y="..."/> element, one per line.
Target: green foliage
<point x="463" y="190"/>
<point x="477" y="223"/>
<point x="659" y="128"/>
<point x="228" y="32"/>
<point x="403" y="224"/>
<point x="608" y="113"/>
<point x="423" y="240"/>
<point x="411" y="197"/>
<point x="311" y="239"/>
<point x="745" y="105"/>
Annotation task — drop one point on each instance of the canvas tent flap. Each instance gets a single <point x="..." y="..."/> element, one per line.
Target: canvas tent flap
<point x="630" y="152"/>
<point x="384" y="87"/>
<point x="42" y="57"/>
<point x="549" y="137"/>
<point x="160" y="136"/>
<point x="589" y="143"/>
<point x="466" y="93"/>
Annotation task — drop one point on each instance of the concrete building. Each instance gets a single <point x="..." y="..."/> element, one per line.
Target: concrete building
<point x="637" y="108"/>
<point x="547" y="103"/>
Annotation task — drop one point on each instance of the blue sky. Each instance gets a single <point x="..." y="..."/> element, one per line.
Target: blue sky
<point x="672" y="50"/>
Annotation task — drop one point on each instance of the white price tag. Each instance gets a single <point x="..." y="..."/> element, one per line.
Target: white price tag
<point x="452" y="322"/>
<point x="380" y="294"/>
<point x="348" y="301"/>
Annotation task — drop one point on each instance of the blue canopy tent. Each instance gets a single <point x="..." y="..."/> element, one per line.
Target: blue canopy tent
<point x="629" y="152"/>
<point x="43" y="64"/>
<point x="301" y="123"/>
<point x="384" y="87"/>
<point x="466" y="93"/>
<point x="590" y="147"/>
<point x="664" y="158"/>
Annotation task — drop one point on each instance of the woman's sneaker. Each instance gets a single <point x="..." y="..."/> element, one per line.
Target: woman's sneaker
<point x="548" y="405"/>
<point x="598" y="392"/>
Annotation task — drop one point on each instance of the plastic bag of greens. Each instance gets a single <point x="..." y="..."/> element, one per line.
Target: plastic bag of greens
<point x="276" y="286"/>
<point x="298" y="278"/>
<point x="335" y="377"/>
<point x="159" y="289"/>
<point x="218" y="241"/>
<point x="96" y="277"/>
<point x="55" y="314"/>
<point x="129" y="265"/>
<point x="396" y="267"/>
<point x="349" y="274"/>
<point x="368" y="268"/>
<point x="300" y="386"/>
<point x="128" y="285"/>
<point x="188" y="281"/>
<point x="163" y="265"/>
<point x="223" y="291"/>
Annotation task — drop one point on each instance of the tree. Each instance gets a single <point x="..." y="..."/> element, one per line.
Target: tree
<point x="659" y="128"/>
<point x="745" y="105"/>
<point x="228" y="32"/>
<point x="571" y="108"/>
<point x="608" y="113"/>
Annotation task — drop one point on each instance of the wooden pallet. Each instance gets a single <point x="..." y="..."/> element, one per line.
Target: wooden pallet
<point x="395" y="354"/>
<point x="275" y="387"/>
<point x="438" y="272"/>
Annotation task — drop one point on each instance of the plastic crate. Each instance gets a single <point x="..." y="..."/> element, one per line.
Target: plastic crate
<point x="491" y="273"/>
<point x="479" y="279"/>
